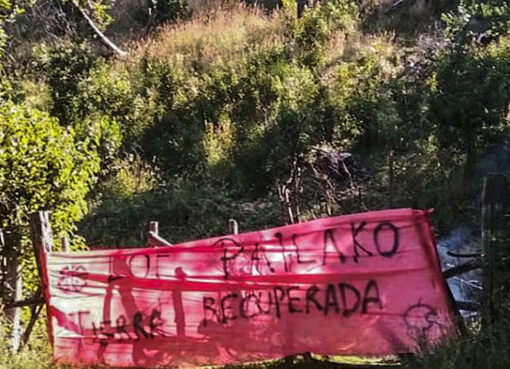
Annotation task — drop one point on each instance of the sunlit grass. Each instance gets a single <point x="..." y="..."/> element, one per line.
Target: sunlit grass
<point x="223" y="35"/>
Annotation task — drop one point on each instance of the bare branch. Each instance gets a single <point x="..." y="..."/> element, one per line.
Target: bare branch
<point x="101" y="35"/>
<point x="462" y="268"/>
<point x="28" y="302"/>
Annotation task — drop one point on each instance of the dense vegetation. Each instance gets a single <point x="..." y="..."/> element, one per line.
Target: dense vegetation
<point x="209" y="112"/>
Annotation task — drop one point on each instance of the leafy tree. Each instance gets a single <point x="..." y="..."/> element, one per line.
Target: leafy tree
<point x="64" y="68"/>
<point x="169" y="10"/>
<point x="470" y="96"/>
<point x="41" y="167"/>
<point x="8" y="12"/>
<point x="478" y="21"/>
<point x="97" y="10"/>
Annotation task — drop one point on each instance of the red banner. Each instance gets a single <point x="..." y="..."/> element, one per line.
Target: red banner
<point x="364" y="284"/>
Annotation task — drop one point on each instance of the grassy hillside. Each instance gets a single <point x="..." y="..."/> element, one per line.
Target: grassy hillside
<point x="232" y="99"/>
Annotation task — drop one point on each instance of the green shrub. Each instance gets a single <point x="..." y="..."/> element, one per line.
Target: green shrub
<point x="478" y="21"/>
<point x="186" y="211"/>
<point x="170" y="10"/>
<point x="364" y="99"/>
<point x="41" y="167"/>
<point x="88" y="99"/>
<point x="317" y="26"/>
<point x="64" y="68"/>
<point x="36" y="356"/>
<point x="133" y="177"/>
<point x="469" y="102"/>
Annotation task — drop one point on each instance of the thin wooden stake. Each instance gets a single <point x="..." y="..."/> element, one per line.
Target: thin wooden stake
<point x="15" y="281"/>
<point x="154" y="227"/>
<point x="3" y="260"/>
<point x="35" y="310"/>
<point x="390" y="179"/>
<point x="15" y="314"/>
<point x="153" y="237"/>
<point x="233" y="227"/>
<point x="65" y="244"/>
<point x="155" y="240"/>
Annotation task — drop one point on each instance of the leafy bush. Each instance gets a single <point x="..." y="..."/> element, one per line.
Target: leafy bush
<point x="65" y="68"/>
<point x="364" y="99"/>
<point x="91" y="109"/>
<point x="186" y="211"/>
<point x="469" y="102"/>
<point x="478" y="21"/>
<point x="171" y="10"/>
<point x="41" y="167"/>
<point x="38" y="356"/>
<point x="318" y="25"/>
<point x="132" y="178"/>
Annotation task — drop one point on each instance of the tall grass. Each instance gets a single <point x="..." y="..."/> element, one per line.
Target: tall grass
<point x="222" y="35"/>
<point x="481" y="349"/>
<point x="37" y="355"/>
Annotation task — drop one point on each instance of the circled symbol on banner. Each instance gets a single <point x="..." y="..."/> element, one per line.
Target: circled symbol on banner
<point x="421" y="317"/>
<point x="72" y="278"/>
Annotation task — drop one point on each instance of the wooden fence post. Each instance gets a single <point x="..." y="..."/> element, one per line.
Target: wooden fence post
<point x="15" y="315"/>
<point x="233" y="227"/>
<point x="153" y="237"/>
<point x="154" y="227"/>
<point x="42" y="240"/>
<point x="42" y="243"/>
<point x="391" y="160"/>
<point x="300" y="7"/>
<point x="3" y="261"/>
<point x="493" y="204"/>
<point x="41" y="229"/>
<point x="155" y="240"/>
<point x="65" y="244"/>
<point x="15" y="282"/>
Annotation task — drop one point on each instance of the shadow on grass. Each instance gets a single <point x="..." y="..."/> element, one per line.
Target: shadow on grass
<point x="319" y="362"/>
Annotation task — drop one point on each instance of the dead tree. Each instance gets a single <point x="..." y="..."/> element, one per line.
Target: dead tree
<point x="288" y="192"/>
<point x="336" y="172"/>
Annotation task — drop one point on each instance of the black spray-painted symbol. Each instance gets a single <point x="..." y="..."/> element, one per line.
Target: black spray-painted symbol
<point x="72" y="278"/>
<point x="421" y="317"/>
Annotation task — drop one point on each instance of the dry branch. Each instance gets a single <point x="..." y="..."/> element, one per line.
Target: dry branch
<point x="462" y="268"/>
<point x="101" y="35"/>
